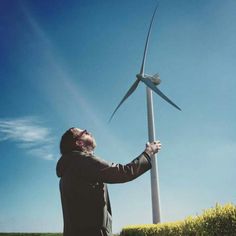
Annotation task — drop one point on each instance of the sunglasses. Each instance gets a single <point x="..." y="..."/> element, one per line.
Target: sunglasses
<point x="82" y="133"/>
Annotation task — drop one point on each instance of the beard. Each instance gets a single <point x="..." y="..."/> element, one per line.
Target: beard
<point x="90" y="144"/>
<point x="87" y="145"/>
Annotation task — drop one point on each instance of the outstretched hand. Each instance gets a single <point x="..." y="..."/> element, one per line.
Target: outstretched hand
<point x="153" y="147"/>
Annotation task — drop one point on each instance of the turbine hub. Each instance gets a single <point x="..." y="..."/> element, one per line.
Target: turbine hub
<point x="139" y="76"/>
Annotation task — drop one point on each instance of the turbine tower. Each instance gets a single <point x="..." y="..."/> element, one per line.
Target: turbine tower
<point x="151" y="82"/>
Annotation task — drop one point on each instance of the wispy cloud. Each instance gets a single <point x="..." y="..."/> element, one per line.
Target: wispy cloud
<point x="28" y="134"/>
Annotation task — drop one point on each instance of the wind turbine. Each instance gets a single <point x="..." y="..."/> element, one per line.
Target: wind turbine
<point x="151" y="82"/>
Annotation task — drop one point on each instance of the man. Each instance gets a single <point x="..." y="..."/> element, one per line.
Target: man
<point x="84" y="196"/>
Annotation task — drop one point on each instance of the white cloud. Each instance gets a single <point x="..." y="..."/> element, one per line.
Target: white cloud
<point x="28" y="134"/>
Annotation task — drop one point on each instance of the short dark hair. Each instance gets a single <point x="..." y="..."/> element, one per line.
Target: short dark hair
<point x="67" y="143"/>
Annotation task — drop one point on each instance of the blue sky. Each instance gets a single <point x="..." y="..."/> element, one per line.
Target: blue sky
<point x="69" y="63"/>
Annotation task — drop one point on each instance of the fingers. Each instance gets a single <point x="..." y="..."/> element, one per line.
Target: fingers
<point x="153" y="147"/>
<point x="158" y="144"/>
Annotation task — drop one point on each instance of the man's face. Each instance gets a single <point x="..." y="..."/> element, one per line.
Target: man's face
<point x="86" y="138"/>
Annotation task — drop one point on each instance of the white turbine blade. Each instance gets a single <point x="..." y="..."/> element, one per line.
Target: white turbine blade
<point x="130" y="91"/>
<point x="146" y="45"/>
<point x="156" y="90"/>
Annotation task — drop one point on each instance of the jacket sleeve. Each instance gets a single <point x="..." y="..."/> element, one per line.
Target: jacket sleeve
<point x="118" y="173"/>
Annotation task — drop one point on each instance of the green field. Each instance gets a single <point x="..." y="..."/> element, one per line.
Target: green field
<point x="34" y="234"/>
<point x="30" y="234"/>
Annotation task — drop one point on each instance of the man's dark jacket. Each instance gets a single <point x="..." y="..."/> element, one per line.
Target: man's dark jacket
<point x="84" y="195"/>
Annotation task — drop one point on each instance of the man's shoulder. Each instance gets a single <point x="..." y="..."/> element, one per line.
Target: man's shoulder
<point x="85" y="157"/>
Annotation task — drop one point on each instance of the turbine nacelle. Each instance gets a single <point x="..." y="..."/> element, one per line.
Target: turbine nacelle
<point x="155" y="79"/>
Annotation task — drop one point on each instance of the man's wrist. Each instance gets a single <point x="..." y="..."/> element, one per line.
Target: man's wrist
<point x="149" y="152"/>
